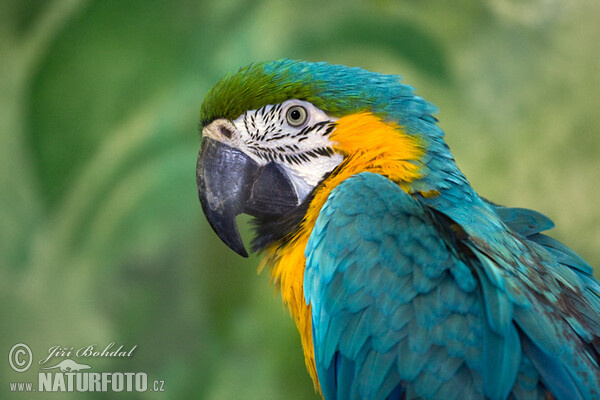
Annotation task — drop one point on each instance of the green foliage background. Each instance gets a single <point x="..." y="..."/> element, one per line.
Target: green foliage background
<point x="101" y="235"/>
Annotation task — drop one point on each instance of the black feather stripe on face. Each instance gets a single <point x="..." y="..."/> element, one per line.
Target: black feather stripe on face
<point x="296" y="156"/>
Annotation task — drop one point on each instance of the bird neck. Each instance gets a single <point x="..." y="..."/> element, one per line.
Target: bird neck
<point x="370" y="144"/>
<point x="385" y="150"/>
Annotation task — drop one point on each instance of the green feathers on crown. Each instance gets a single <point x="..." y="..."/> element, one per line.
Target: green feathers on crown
<point x="250" y="88"/>
<point x="336" y="89"/>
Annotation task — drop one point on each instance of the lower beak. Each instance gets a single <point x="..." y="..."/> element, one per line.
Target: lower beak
<point x="231" y="183"/>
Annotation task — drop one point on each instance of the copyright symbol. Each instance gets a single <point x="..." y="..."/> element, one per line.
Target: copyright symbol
<point x="20" y="357"/>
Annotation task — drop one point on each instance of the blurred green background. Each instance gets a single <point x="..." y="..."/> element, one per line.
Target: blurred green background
<point x="102" y="238"/>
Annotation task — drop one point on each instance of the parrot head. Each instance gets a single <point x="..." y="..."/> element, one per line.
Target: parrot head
<point x="273" y="132"/>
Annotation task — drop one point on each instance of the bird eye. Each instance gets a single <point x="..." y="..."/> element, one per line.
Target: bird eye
<point x="296" y="115"/>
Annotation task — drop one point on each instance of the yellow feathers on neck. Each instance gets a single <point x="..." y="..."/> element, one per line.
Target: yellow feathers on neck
<point x="371" y="144"/>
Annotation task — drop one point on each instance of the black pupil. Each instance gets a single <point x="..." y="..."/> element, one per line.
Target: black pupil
<point x="295" y="114"/>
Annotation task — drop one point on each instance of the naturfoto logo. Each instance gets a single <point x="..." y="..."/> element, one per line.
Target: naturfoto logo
<point x="68" y="375"/>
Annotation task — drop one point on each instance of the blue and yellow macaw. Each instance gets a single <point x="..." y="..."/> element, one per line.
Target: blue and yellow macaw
<point x="403" y="282"/>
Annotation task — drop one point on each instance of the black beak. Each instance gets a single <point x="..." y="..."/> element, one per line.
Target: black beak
<point x="231" y="183"/>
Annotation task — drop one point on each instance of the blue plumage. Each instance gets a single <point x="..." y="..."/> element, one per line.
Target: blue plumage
<point x="389" y="311"/>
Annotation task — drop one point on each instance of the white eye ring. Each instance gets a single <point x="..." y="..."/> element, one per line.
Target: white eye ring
<point x="296" y="116"/>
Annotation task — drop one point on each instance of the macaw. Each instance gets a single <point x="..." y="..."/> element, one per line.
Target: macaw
<point x="403" y="282"/>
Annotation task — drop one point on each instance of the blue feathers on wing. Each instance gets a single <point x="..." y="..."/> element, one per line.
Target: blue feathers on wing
<point x="404" y="307"/>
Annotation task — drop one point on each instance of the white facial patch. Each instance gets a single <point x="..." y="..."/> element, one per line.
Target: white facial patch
<point x="273" y="134"/>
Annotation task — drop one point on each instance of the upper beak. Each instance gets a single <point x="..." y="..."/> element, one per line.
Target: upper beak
<point x="231" y="183"/>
